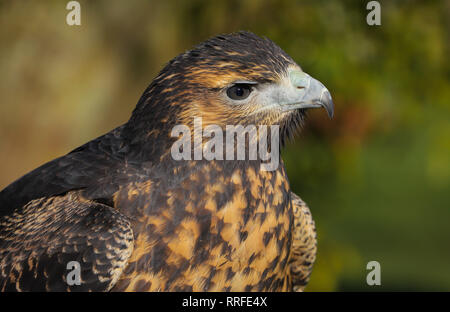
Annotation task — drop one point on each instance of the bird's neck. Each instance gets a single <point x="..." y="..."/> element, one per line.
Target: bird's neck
<point x="168" y="142"/>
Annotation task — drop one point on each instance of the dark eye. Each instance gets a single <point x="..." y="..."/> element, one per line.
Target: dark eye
<point x="239" y="91"/>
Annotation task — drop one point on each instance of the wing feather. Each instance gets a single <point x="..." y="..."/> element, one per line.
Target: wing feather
<point x="38" y="241"/>
<point x="304" y="244"/>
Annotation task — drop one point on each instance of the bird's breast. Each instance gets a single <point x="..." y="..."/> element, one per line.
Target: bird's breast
<point x="214" y="231"/>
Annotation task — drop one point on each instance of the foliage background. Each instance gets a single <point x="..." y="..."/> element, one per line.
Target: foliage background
<point x="376" y="177"/>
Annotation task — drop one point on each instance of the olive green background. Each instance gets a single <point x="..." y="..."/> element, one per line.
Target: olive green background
<point x="376" y="176"/>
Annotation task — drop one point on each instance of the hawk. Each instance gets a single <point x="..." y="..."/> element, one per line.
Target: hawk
<point x="136" y="219"/>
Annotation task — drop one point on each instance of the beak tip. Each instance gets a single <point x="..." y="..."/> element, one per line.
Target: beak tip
<point x="330" y="110"/>
<point x="328" y="105"/>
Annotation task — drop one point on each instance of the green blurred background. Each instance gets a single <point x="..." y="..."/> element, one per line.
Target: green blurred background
<point x="377" y="177"/>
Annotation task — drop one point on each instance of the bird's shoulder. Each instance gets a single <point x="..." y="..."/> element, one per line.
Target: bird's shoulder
<point x="96" y="167"/>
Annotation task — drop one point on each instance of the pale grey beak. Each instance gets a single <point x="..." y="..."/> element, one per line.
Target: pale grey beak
<point x="310" y="93"/>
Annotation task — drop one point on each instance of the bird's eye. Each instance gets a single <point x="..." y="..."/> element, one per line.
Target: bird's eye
<point x="239" y="91"/>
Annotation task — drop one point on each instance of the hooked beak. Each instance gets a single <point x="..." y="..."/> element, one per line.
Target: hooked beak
<point x="310" y="93"/>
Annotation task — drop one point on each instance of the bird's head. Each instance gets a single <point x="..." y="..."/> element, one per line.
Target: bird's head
<point x="232" y="79"/>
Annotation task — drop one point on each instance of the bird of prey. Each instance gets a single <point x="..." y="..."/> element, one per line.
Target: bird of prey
<point x="135" y="219"/>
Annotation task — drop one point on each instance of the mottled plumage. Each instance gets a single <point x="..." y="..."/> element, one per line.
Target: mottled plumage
<point x="304" y="244"/>
<point x="138" y="220"/>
